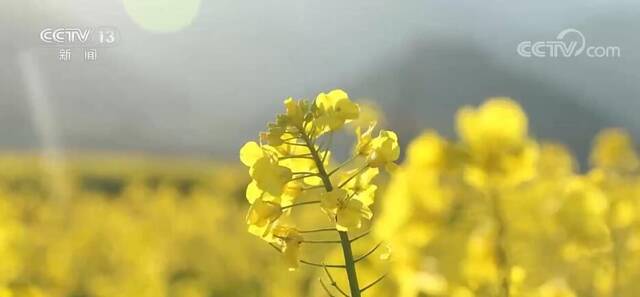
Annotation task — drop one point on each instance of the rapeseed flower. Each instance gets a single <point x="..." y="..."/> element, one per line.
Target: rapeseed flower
<point x="290" y="171"/>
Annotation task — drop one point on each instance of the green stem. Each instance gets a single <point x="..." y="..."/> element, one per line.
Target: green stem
<point x="616" y="257"/>
<point x="502" y="260"/>
<point x="373" y="283"/>
<point x="345" y="243"/>
<point x="353" y="176"/>
<point x="371" y="251"/>
<point x="299" y="204"/>
<point x="342" y="165"/>
<point x="317" y="230"/>
<point x="350" y="264"/>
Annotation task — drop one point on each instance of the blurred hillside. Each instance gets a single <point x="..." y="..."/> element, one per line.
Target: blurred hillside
<point x="208" y="87"/>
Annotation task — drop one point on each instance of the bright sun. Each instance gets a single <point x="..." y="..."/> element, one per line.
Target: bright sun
<point x="162" y="15"/>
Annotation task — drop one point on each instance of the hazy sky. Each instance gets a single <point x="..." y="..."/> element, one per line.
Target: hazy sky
<point x="218" y="78"/>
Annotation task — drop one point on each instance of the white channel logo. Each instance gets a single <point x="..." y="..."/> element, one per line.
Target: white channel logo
<point x="103" y="36"/>
<point x="569" y="43"/>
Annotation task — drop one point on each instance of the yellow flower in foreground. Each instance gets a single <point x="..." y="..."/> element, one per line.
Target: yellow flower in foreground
<point x="363" y="144"/>
<point x="250" y="153"/>
<point x="274" y="135"/>
<point x="269" y="176"/>
<point x="335" y="108"/>
<point x="262" y="214"/>
<point x="290" y="192"/>
<point x="362" y="184"/>
<point x="348" y="212"/>
<point x="295" y="111"/>
<point x="292" y="241"/>
<point x="384" y="150"/>
<point x="294" y="173"/>
<point x="369" y="114"/>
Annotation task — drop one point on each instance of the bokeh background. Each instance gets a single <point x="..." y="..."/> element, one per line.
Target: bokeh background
<point x="199" y="77"/>
<point x="120" y="176"/>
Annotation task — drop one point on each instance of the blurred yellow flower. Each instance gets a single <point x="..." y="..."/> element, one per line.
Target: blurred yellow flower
<point x="480" y="265"/>
<point x="555" y="288"/>
<point x="614" y="149"/>
<point x="582" y="214"/>
<point x="496" y="137"/>
<point x="499" y="124"/>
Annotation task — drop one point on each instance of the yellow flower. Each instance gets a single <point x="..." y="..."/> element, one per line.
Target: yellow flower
<point x="495" y="136"/>
<point x="431" y="283"/>
<point x="295" y="164"/>
<point x="480" y="264"/>
<point x="624" y="213"/>
<point x="295" y="112"/>
<point x="292" y="241"/>
<point x="290" y="192"/>
<point x="462" y="292"/>
<point x="335" y="108"/>
<point x="347" y="212"/>
<point x="292" y="162"/>
<point x="253" y="192"/>
<point x="384" y="149"/>
<point x="583" y="214"/>
<point x="614" y="149"/>
<point x="369" y="114"/>
<point x="555" y="288"/>
<point x="331" y="200"/>
<point x="603" y="280"/>
<point x="269" y="176"/>
<point x="274" y="135"/>
<point x="363" y="144"/>
<point x="497" y="125"/>
<point x="261" y="216"/>
<point x="432" y="151"/>
<point x="362" y="184"/>
<point x="555" y="161"/>
<point x="517" y="277"/>
<point x="506" y="169"/>
<point x="270" y="180"/>
<point x="250" y="153"/>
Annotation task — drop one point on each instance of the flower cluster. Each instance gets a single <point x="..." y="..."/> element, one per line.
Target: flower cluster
<point x="291" y="166"/>
<point x="131" y="226"/>
<point x="498" y="213"/>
